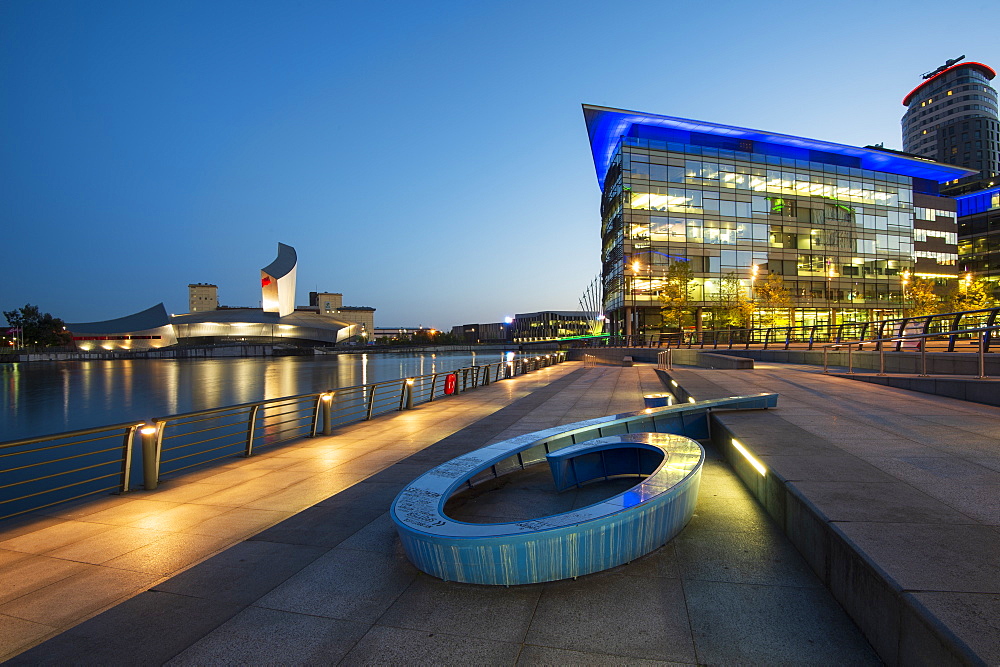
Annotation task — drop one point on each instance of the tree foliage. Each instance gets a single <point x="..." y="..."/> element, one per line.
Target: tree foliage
<point x="675" y="295"/>
<point x="923" y="299"/>
<point x="969" y="295"/>
<point x="733" y="307"/>
<point x="771" y="295"/>
<point x="37" y="329"/>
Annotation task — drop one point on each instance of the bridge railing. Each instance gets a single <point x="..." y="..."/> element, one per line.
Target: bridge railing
<point x="46" y="470"/>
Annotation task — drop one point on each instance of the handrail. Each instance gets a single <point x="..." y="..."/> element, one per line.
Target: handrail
<point x="169" y="444"/>
<point x="808" y="334"/>
<point x="982" y="331"/>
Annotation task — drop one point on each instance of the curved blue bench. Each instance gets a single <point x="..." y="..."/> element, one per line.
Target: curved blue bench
<point x="656" y="443"/>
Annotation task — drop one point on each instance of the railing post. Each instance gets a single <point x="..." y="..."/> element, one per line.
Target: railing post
<point x="881" y="360"/>
<point x="251" y="429"/>
<point x="670" y="359"/>
<point x="124" y="481"/>
<point x="826" y="365"/>
<point x="409" y="393"/>
<point x="850" y="359"/>
<point x="150" y="456"/>
<point x="434" y="379"/>
<point x="982" y="354"/>
<point x="317" y="410"/>
<point x="370" y="408"/>
<point x="923" y="357"/>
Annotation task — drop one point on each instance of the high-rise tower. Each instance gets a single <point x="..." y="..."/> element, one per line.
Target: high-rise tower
<point x="952" y="117"/>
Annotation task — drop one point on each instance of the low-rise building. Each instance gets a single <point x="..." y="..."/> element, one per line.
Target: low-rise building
<point x="202" y="297"/>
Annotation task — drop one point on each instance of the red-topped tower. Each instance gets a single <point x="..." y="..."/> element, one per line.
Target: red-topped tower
<point x="952" y="117"/>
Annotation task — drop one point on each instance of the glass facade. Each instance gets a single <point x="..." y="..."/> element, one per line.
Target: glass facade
<point x="840" y="237"/>
<point x="979" y="228"/>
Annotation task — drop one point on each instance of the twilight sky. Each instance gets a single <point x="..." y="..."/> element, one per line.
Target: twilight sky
<point x="428" y="159"/>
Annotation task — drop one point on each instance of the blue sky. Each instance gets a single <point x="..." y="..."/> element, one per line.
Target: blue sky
<point x="427" y="159"/>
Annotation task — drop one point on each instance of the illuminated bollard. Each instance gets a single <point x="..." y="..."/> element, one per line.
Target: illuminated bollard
<point x="326" y="403"/>
<point x="150" y="458"/>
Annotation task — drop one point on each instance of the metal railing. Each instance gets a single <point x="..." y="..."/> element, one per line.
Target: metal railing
<point x="984" y="333"/>
<point x="945" y="327"/>
<point x="46" y="470"/>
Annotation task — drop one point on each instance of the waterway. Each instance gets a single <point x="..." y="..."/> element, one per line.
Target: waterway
<point x="45" y="398"/>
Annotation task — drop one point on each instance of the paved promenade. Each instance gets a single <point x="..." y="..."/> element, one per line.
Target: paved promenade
<point x="893" y="496"/>
<point x="290" y="557"/>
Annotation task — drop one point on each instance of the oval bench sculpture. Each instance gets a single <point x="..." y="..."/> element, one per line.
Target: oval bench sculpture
<point x="655" y="443"/>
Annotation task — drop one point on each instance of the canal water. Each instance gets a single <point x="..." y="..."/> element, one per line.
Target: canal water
<point x="41" y="398"/>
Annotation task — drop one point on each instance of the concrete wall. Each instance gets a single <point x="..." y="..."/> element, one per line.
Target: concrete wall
<point x="938" y="363"/>
<point x="616" y="355"/>
<point x="965" y="389"/>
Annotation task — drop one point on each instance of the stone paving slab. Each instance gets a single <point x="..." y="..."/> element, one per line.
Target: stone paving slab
<point x="119" y="546"/>
<point x="889" y="495"/>
<point x="349" y="596"/>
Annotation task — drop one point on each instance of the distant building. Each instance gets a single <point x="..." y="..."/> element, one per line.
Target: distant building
<point x="548" y="324"/>
<point x="952" y="117"/>
<point x="208" y="323"/>
<point x="527" y="327"/>
<point x="147" y="329"/>
<point x="979" y="233"/>
<point x="474" y="334"/>
<point x="277" y="282"/>
<point x="202" y="297"/>
<point x="400" y="332"/>
<point x="332" y="304"/>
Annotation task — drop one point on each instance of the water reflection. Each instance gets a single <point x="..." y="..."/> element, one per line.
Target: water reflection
<point x="42" y="398"/>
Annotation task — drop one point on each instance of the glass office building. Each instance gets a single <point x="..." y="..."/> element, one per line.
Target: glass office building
<point x="979" y="229"/>
<point x="835" y="222"/>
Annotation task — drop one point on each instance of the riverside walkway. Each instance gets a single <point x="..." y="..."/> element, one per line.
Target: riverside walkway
<point x="290" y="557"/>
<point x="892" y="496"/>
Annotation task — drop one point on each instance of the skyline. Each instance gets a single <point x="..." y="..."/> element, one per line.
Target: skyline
<point x="432" y="164"/>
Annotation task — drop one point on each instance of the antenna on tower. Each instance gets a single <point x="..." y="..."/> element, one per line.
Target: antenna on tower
<point x="947" y="64"/>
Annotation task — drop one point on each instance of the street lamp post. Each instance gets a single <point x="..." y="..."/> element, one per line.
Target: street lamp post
<point x="906" y="281"/>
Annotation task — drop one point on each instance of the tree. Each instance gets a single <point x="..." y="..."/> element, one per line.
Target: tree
<point x="37" y="329"/>
<point x="969" y="294"/>
<point x="921" y="295"/>
<point x="675" y="295"/>
<point x="733" y="307"/>
<point x="771" y="295"/>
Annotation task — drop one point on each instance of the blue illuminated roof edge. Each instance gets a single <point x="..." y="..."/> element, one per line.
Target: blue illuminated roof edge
<point x="606" y="125"/>
<point x="966" y="207"/>
<point x="987" y="191"/>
